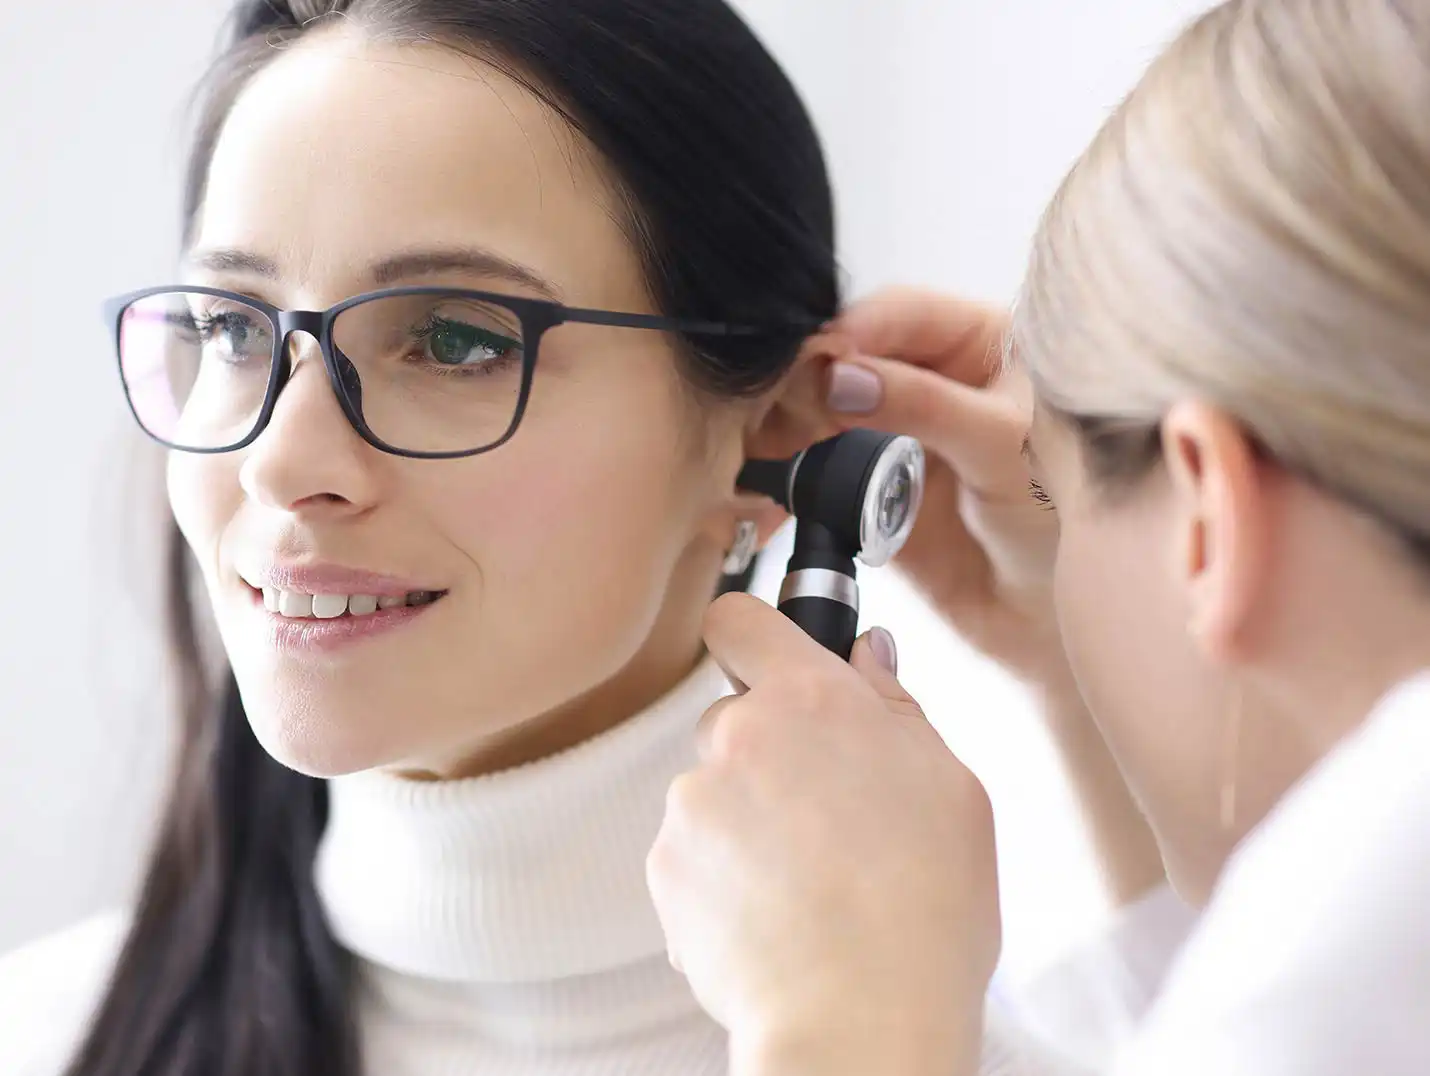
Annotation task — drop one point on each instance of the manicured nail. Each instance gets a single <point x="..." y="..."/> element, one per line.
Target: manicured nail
<point x="853" y="389"/>
<point x="885" y="652"/>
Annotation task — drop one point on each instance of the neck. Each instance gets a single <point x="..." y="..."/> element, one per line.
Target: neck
<point x="1352" y="658"/>
<point x="1356" y="634"/>
<point x="672" y="649"/>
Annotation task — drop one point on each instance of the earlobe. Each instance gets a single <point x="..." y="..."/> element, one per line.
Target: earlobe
<point x="1221" y="501"/>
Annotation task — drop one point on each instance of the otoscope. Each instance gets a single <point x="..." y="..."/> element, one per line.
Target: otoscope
<point x="854" y="497"/>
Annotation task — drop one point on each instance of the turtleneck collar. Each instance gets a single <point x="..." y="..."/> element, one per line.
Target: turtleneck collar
<point x="531" y="874"/>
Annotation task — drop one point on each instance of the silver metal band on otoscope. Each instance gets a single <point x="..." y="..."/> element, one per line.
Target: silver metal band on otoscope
<point x="821" y="583"/>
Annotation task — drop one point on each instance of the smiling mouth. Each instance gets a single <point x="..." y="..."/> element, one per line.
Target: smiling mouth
<point x="299" y="605"/>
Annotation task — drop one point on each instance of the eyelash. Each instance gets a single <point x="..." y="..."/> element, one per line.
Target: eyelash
<point x="1039" y="494"/>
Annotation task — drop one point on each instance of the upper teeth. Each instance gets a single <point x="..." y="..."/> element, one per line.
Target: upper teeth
<point x="297" y="605"/>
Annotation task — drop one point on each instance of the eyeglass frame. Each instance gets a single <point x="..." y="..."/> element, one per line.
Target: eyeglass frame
<point x="537" y="316"/>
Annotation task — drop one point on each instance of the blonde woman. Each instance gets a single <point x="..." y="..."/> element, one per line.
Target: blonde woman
<point x="1226" y="332"/>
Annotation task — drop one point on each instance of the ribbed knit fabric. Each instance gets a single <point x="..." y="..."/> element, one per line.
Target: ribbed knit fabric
<point x="503" y="922"/>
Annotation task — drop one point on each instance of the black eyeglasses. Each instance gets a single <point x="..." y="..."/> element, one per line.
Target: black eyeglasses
<point x="430" y="373"/>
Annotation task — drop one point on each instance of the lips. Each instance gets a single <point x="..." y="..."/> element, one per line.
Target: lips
<point x="322" y="611"/>
<point x="330" y="592"/>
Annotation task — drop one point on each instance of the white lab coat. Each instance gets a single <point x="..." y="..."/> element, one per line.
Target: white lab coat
<point x="1311" y="959"/>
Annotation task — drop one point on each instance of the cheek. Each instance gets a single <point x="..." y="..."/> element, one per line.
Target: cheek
<point x="1094" y="615"/>
<point x="576" y="525"/>
<point x="204" y="495"/>
<point x="610" y="472"/>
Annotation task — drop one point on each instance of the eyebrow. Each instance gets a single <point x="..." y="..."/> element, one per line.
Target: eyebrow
<point x="388" y="271"/>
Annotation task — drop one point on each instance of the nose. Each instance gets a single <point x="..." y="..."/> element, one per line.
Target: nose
<point x="309" y="459"/>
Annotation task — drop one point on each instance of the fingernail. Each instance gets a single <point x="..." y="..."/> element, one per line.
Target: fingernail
<point x="854" y="389"/>
<point x="885" y="652"/>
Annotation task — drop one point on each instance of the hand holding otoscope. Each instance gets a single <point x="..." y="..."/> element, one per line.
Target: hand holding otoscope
<point x="818" y="768"/>
<point x="854" y="497"/>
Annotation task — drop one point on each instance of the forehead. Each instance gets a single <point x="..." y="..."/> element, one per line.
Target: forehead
<point x="343" y="151"/>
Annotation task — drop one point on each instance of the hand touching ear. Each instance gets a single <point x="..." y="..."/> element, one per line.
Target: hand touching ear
<point x="930" y="366"/>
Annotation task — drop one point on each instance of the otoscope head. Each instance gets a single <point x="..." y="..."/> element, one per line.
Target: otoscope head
<point x="863" y="486"/>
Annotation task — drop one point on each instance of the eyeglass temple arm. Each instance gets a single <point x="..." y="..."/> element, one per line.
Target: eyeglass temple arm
<point x="695" y="328"/>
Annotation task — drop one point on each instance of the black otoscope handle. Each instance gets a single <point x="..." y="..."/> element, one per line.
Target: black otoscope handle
<point x="820" y="593"/>
<point x="832" y="624"/>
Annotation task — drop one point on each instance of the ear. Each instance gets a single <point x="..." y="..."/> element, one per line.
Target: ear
<point x="792" y="416"/>
<point x="788" y="419"/>
<point x="1224" y="501"/>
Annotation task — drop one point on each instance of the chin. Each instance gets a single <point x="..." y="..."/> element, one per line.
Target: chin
<point x="1187" y="887"/>
<point x="1193" y="876"/>
<point x="307" y="739"/>
<point x="313" y="753"/>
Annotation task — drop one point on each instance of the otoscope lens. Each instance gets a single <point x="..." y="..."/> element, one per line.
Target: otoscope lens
<point x="895" y="500"/>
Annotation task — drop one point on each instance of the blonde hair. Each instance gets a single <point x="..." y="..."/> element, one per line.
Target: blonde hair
<point x="1252" y="228"/>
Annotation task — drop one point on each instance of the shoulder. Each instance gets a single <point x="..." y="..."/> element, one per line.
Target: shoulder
<point x="1090" y="1001"/>
<point x="48" y="991"/>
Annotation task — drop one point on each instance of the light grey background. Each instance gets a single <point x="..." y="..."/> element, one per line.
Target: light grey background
<point x="948" y="124"/>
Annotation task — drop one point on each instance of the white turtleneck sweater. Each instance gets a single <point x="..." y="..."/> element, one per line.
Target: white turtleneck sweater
<point x="504" y="922"/>
<point x="503" y="925"/>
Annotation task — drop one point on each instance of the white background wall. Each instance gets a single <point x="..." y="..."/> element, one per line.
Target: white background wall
<point x="948" y="123"/>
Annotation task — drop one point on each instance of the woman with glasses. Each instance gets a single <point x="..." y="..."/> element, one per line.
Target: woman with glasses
<point x="480" y="310"/>
<point x="482" y="307"/>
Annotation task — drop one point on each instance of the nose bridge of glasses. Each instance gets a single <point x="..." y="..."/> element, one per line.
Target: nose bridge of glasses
<point x="291" y="325"/>
<point x="299" y="321"/>
<point x="341" y="373"/>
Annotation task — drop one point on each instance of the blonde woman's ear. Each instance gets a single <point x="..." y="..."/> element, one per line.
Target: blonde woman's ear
<point x="1223" y="498"/>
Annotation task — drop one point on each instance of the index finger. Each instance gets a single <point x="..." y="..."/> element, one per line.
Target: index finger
<point x="959" y="338"/>
<point x="750" y="639"/>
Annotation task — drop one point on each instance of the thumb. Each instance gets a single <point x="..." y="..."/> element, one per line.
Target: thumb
<point x="875" y="658"/>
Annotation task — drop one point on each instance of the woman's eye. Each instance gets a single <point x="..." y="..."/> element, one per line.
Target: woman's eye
<point x="235" y="332"/>
<point x="229" y="336"/>
<point x="455" y="343"/>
